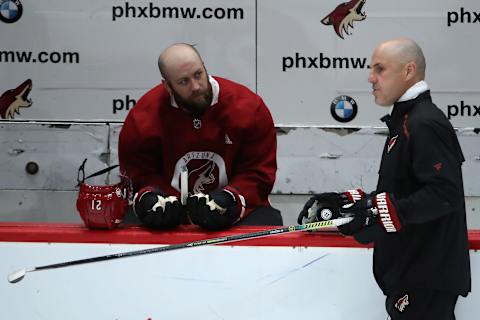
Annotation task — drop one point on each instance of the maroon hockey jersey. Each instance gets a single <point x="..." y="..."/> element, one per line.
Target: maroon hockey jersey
<point x="232" y="145"/>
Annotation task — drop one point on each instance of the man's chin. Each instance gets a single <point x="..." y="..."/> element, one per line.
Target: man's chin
<point x="381" y="103"/>
<point x="198" y="107"/>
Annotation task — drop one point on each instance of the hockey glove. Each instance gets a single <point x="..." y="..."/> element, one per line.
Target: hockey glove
<point x="326" y="206"/>
<point x="214" y="211"/>
<point x="157" y="211"/>
<point x="372" y="209"/>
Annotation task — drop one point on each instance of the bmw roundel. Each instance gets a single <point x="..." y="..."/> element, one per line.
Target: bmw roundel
<point x="343" y="108"/>
<point x="10" y="10"/>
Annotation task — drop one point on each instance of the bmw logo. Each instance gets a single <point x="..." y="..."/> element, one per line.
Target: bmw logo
<point x="10" y="10"/>
<point x="343" y="108"/>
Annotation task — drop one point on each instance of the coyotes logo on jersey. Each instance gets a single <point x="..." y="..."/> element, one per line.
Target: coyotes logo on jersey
<point x="206" y="172"/>
<point x="402" y="303"/>
<point x="202" y="177"/>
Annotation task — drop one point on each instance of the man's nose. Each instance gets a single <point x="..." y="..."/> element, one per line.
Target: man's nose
<point x="371" y="78"/>
<point x="195" y="85"/>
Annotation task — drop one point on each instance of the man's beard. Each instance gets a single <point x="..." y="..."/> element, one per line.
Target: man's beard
<point x="197" y="106"/>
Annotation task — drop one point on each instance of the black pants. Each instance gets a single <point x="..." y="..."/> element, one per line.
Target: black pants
<point x="421" y="304"/>
<point x="263" y="216"/>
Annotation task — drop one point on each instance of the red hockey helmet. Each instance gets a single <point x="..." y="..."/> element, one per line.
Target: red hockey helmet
<point x="102" y="207"/>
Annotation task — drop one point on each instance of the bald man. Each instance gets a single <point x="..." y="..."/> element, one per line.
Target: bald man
<point x="416" y="216"/>
<point x="217" y="132"/>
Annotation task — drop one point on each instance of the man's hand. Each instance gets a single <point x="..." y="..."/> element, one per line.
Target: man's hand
<point x="371" y="209"/>
<point x="326" y="206"/>
<point x="157" y="211"/>
<point x="214" y="211"/>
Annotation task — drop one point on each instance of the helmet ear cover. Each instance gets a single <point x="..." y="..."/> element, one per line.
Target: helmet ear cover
<point x="103" y="207"/>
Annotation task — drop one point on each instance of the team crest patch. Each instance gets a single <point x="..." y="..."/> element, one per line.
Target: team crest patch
<point x="205" y="171"/>
<point x="402" y="303"/>
<point x="391" y="143"/>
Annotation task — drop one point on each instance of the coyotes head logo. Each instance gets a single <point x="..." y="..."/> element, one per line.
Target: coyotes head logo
<point x="402" y="303"/>
<point x="14" y="99"/>
<point x="344" y="15"/>
<point x="203" y="177"/>
<point x="206" y="172"/>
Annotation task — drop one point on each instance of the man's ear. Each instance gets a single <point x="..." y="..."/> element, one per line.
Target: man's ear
<point x="410" y="70"/>
<point x="166" y="84"/>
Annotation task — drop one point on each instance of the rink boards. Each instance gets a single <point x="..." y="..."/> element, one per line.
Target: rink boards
<point x="296" y="275"/>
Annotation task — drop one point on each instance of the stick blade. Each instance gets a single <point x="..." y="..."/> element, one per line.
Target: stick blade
<point x="17" y="276"/>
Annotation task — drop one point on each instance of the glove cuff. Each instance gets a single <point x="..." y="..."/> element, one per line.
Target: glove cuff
<point x="141" y="193"/>
<point x="240" y="203"/>
<point x="145" y="190"/>
<point x="354" y="195"/>
<point x="386" y="212"/>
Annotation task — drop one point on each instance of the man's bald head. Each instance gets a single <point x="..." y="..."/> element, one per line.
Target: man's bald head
<point x="185" y="77"/>
<point x="404" y="51"/>
<point x="396" y="66"/>
<point x="175" y="57"/>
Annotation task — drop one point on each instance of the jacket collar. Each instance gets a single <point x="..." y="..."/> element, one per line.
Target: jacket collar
<point x="414" y="91"/>
<point x="418" y="91"/>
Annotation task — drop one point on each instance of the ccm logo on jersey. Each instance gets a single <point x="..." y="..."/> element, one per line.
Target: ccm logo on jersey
<point x="402" y="303"/>
<point x="387" y="213"/>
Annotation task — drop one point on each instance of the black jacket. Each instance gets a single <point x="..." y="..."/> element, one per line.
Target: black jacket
<point x="421" y="170"/>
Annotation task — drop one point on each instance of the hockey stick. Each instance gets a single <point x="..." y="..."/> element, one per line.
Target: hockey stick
<point x="20" y="274"/>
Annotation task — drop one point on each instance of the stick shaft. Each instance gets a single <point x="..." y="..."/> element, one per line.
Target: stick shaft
<point x="213" y="241"/>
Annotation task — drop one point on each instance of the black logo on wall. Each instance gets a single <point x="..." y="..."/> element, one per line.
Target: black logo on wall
<point x="343" y="108"/>
<point x="10" y="10"/>
<point x="344" y="15"/>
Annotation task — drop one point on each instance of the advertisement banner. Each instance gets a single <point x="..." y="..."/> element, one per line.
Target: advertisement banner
<point x="309" y="60"/>
<point x="91" y="60"/>
<point x="313" y="57"/>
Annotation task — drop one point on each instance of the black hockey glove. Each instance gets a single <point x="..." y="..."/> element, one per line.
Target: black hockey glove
<point x="326" y="206"/>
<point x="157" y="211"/>
<point x="371" y="209"/>
<point x="214" y="211"/>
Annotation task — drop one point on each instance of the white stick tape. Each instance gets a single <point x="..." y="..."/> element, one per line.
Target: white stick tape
<point x="183" y="185"/>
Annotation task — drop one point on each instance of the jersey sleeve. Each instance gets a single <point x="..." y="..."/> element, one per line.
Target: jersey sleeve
<point x="256" y="166"/>
<point x="436" y="162"/>
<point x="140" y="158"/>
